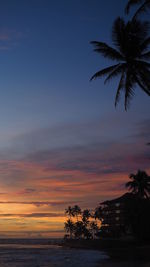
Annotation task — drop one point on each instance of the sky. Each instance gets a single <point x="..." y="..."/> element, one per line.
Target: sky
<point x="62" y="142"/>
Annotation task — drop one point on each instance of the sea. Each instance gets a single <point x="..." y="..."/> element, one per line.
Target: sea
<point x="45" y="253"/>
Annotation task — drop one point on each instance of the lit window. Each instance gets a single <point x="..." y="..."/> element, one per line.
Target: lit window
<point x="117" y="211"/>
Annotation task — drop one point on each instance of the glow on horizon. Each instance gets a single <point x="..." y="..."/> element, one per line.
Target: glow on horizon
<point x="39" y="209"/>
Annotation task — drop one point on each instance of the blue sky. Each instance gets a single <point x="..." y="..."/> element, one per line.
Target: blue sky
<point x="47" y="61"/>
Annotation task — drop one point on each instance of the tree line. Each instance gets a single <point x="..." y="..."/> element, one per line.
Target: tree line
<point x="87" y="224"/>
<point x="81" y="223"/>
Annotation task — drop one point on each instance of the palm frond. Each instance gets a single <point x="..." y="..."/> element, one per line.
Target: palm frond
<point x="146" y="56"/>
<point x="129" y="88"/>
<point x="120" y="87"/>
<point x="143" y="63"/>
<point x="128" y="184"/>
<point x="130" y="4"/>
<point x="144" y="75"/>
<point x="132" y="176"/>
<point x="131" y="50"/>
<point x="131" y="185"/>
<point x="130" y="39"/>
<point x="103" y="72"/>
<point x="138" y="30"/>
<point x="143" y="72"/>
<point x="145" y="44"/>
<point x="107" y="51"/>
<point x="142" y="8"/>
<point x="118" y="30"/>
<point x="115" y="72"/>
<point x="142" y="86"/>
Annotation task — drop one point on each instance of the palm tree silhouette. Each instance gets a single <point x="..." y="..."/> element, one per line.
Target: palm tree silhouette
<point x="69" y="227"/>
<point x="78" y="229"/>
<point x="69" y="211"/>
<point x="76" y="211"/>
<point x="139" y="184"/>
<point x="85" y="216"/>
<point x="131" y="43"/>
<point x="94" y="229"/>
<point x="145" y="4"/>
<point x="98" y="213"/>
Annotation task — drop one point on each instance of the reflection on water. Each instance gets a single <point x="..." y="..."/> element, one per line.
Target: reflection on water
<point x="28" y="246"/>
<point x="36" y="255"/>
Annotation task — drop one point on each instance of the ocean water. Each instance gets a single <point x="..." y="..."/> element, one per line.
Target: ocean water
<point x="46" y="255"/>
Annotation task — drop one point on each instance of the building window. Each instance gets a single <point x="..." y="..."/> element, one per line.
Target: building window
<point x="117" y="211"/>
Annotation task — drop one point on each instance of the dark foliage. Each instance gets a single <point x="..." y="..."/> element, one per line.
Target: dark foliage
<point x="139" y="184"/>
<point x="144" y="6"/>
<point x="132" y="52"/>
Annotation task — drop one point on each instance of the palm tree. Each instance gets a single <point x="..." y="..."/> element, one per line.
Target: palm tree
<point x="69" y="227"/>
<point x="144" y="5"/>
<point x="85" y="216"/>
<point x="131" y="53"/>
<point x="94" y="229"/>
<point x="69" y="211"/>
<point x="86" y="233"/>
<point x="139" y="184"/>
<point x="79" y="229"/>
<point x="76" y="211"/>
<point x="98" y="213"/>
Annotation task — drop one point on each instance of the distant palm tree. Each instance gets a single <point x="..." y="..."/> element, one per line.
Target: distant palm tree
<point x="132" y="53"/>
<point x="69" y="227"/>
<point x="98" y="213"/>
<point x="139" y="184"/>
<point x="79" y="229"/>
<point x="85" y="216"/>
<point x="86" y="233"/>
<point x="94" y="229"/>
<point x="76" y="211"/>
<point x="144" y="5"/>
<point x="69" y="211"/>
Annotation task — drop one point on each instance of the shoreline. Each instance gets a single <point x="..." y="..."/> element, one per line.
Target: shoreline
<point x="117" y="250"/>
<point x="127" y="263"/>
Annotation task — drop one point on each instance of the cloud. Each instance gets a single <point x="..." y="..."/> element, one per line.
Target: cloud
<point x="106" y="158"/>
<point x="32" y="234"/>
<point x="33" y="215"/>
<point x="82" y="145"/>
<point x="40" y="203"/>
<point x="62" y="174"/>
<point x="26" y="191"/>
<point x="71" y="134"/>
<point x="101" y="146"/>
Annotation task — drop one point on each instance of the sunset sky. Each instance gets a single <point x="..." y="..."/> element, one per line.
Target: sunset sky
<point x="62" y="142"/>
